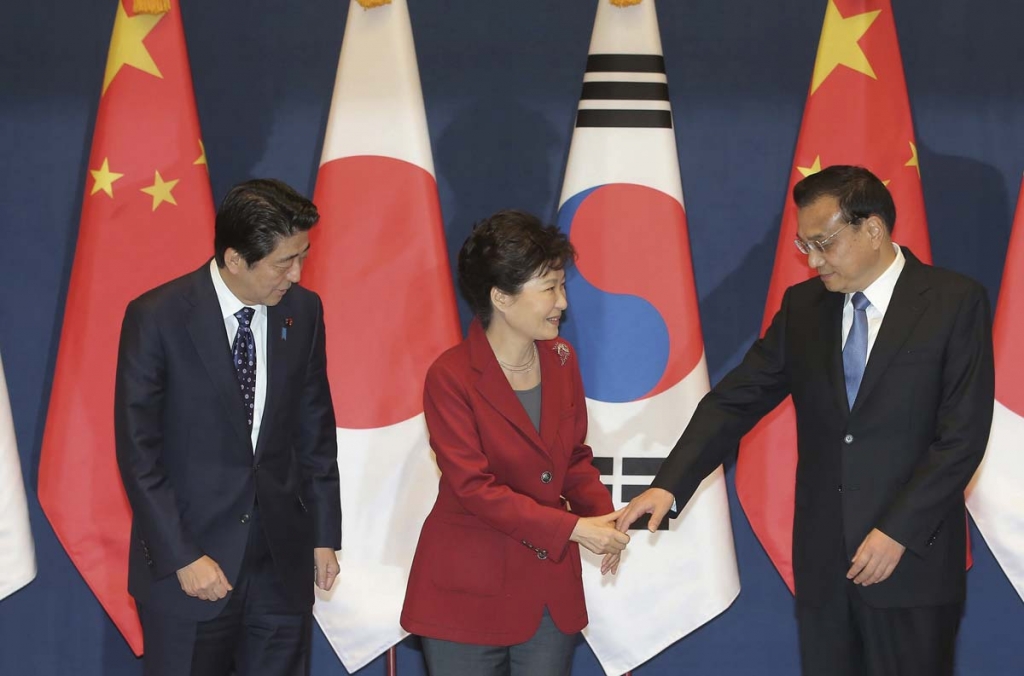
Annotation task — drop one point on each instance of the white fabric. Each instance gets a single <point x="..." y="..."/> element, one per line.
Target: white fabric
<point x="17" y="551"/>
<point x="672" y="582"/>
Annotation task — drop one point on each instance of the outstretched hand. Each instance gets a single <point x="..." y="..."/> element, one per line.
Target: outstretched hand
<point x="654" y="501"/>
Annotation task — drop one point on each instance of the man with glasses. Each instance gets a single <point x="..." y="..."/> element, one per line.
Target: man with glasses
<point x="889" y="363"/>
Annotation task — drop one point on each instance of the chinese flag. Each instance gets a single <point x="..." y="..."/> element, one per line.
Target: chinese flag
<point x="147" y="217"/>
<point x="857" y="112"/>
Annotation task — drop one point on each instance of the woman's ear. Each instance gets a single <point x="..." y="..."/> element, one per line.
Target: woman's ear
<point x="499" y="299"/>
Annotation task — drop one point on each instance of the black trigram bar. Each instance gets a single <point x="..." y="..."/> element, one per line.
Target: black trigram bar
<point x="625" y="63"/>
<point x="632" y="467"/>
<point x="644" y="119"/>
<point x="625" y="91"/>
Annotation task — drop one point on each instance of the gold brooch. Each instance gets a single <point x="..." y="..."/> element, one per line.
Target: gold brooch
<point x="562" y="350"/>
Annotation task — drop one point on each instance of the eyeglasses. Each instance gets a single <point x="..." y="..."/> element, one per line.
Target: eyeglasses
<point x="819" y="245"/>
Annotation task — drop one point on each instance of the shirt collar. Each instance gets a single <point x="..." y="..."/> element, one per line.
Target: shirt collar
<point x="879" y="293"/>
<point x="229" y="303"/>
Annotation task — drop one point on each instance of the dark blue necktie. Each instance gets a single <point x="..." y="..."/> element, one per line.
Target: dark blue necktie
<point x="855" y="352"/>
<point x="243" y="349"/>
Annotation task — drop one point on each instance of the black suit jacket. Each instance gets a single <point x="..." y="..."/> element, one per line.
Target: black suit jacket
<point x="184" y="448"/>
<point x="899" y="461"/>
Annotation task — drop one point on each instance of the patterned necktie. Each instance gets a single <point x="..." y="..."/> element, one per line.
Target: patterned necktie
<point x="855" y="352"/>
<point x="243" y="349"/>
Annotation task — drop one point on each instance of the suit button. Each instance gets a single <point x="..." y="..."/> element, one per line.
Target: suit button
<point x="256" y="468"/>
<point x="546" y="477"/>
<point x="840" y="488"/>
<point x="848" y="439"/>
<point x="542" y="554"/>
<point x="244" y="518"/>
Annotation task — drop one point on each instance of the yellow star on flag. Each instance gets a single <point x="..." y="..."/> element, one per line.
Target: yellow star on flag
<point x="912" y="162"/>
<point x="838" y="45"/>
<point x="202" y="154"/>
<point x="161" y="190"/>
<point x="103" y="178"/>
<point x="813" y="169"/>
<point x="126" y="48"/>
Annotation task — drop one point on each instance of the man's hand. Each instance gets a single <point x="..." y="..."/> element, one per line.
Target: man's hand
<point x="875" y="559"/>
<point x="598" y="534"/>
<point x="325" y="564"/>
<point x="653" y="501"/>
<point x="204" y="579"/>
<point x="610" y="563"/>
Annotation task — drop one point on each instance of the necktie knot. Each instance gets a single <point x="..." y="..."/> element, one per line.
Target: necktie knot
<point x="859" y="300"/>
<point x="244" y="316"/>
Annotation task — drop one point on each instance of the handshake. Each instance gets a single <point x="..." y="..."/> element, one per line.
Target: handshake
<point x="607" y="534"/>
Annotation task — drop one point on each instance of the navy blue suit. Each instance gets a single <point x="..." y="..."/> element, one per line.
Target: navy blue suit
<point x="185" y="453"/>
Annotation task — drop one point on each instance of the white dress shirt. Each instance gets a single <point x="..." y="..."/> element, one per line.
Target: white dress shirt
<point x="879" y="293"/>
<point x="229" y="305"/>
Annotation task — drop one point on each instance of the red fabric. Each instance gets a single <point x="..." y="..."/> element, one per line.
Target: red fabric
<point x="1009" y="321"/>
<point x="126" y="245"/>
<point x="495" y="550"/>
<point x="389" y="313"/>
<point x="850" y="118"/>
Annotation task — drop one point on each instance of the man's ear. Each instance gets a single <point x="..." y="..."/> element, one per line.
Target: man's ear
<point x="233" y="261"/>
<point x="876" y="231"/>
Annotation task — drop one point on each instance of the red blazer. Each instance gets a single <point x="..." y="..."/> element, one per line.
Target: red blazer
<point x="495" y="550"/>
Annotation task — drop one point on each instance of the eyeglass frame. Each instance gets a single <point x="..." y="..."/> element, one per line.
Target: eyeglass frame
<point x="821" y="245"/>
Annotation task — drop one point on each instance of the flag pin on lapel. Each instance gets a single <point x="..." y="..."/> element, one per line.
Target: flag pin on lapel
<point x="284" y="329"/>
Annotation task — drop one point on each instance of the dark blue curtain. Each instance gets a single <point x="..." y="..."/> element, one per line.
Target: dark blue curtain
<point x="501" y="80"/>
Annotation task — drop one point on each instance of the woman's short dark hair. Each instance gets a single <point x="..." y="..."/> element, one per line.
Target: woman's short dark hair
<point x="258" y="214"/>
<point x="858" y="192"/>
<point x="506" y="251"/>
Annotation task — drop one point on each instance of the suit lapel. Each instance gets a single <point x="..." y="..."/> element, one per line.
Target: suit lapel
<point x="206" y="328"/>
<point x="552" y="379"/>
<point x="831" y="331"/>
<point x="905" y="309"/>
<point x="494" y="387"/>
<point x="276" y="367"/>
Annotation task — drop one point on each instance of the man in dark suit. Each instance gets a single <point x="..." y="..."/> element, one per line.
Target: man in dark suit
<point x="227" y="447"/>
<point x="889" y="362"/>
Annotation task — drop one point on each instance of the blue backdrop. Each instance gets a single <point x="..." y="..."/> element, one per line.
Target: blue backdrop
<point x="501" y="80"/>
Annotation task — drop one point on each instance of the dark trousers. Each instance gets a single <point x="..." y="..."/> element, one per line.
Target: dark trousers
<point x="257" y="634"/>
<point x="846" y="637"/>
<point x="548" y="653"/>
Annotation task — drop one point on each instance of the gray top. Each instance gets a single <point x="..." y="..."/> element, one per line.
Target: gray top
<point x="530" y="399"/>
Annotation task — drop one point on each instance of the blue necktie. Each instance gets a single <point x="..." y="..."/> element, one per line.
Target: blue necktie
<point x="855" y="352"/>
<point x="243" y="349"/>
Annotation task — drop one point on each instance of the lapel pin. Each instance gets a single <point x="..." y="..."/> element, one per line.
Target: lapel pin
<point x="562" y="350"/>
<point x="284" y="329"/>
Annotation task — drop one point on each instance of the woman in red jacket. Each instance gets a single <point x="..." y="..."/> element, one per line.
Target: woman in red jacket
<point x="496" y="584"/>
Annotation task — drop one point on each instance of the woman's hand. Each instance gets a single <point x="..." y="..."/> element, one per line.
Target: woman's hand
<point x="610" y="563"/>
<point x="598" y="534"/>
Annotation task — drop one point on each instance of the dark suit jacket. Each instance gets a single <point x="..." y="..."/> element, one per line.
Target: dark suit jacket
<point x="495" y="548"/>
<point x="184" y="449"/>
<point x="898" y="462"/>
